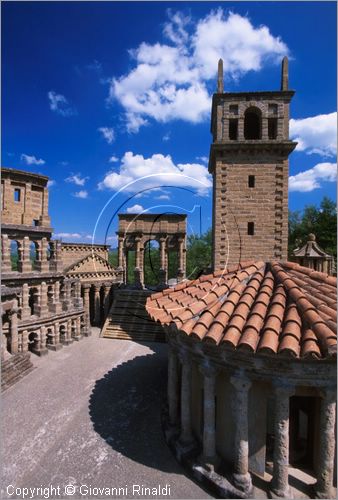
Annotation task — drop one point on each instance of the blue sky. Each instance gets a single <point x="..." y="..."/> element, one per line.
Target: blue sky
<point x="98" y="94"/>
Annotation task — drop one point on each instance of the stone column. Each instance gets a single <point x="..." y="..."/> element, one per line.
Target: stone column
<point x="106" y="299"/>
<point x="37" y="301"/>
<point x="6" y="254"/>
<point x="77" y="324"/>
<point x="24" y="262"/>
<point x="56" y="306"/>
<point x="209" y="457"/>
<point x="67" y="297"/>
<point x="241" y="476"/>
<point x="186" y="436"/>
<point x="78" y="302"/>
<point x="42" y="263"/>
<point x="55" y="263"/>
<point x="13" y="313"/>
<point x="24" y="346"/>
<point x="57" y="342"/>
<point x="69" y="339"/>
<point x="280" y="478"/>
<point x="43" y="349"/>
<point x="86" y="302"/>
<point x="180" y="271"/>
<point x="97" y="305"/>
<point x="324" y="486"/>
<point x="120" y="252"/>
<point x="173" y="386"/>
<point x="25" y="309"/>
<point x="162" y="272"/>
<point x="42" y="308"/>
<point x="137" y="270"/>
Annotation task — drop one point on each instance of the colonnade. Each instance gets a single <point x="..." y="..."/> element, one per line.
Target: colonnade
<point x="47" y="254"/>
<point x="165" y="245"/>
<point x="50" y="298"/>
<point x="179" y="396"/>
<point x="96" y="300"/>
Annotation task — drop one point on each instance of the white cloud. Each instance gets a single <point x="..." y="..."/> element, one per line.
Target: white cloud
<point x="59" y="104"/>
<point x="166" y="137"/>
<point x="51" y="183"/>
<point x="77" y="179"/>
<point x="32" y="160"/>
<point x="135" y="209"/>
<point x="81" y="194"/>
<point x="163" y="197"/>
<point x="170" y="81"/>
<point x="204" y="159"/>
<point x="113" y="159"/>
<point x="107" y="133"/>
<point x="63" y="163"/>
<point x="137" y="173"/>
<point x="316" y="134"/>
<point x="311" y="179"/>
<point x="75" y="236"/>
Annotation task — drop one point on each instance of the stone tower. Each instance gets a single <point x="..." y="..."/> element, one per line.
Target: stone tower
<point x="250" y="167"/>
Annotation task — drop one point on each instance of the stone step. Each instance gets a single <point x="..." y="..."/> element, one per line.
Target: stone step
<point x="129" y="320"/>
<point x="14" y="369"/>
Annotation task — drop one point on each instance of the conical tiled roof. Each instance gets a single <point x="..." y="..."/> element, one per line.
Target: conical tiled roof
<point x="272" y="308"/>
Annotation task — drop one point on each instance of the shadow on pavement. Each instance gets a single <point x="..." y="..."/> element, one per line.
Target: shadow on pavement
<point x="125" y="408"/>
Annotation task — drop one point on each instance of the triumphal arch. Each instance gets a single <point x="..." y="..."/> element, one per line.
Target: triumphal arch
<point x="136" y="231"/>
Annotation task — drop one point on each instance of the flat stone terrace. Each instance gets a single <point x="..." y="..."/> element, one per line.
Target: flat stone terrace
<point x="90" y="415"/>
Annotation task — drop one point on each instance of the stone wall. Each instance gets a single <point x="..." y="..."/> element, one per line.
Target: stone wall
<point x="152" y="224"/>
<point x="74" y="252"/>
<point x="24" y="198"/>
<point x="236" y="205"/>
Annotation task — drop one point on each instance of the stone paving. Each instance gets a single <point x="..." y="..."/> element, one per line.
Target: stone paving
<point x="89" y="416"/>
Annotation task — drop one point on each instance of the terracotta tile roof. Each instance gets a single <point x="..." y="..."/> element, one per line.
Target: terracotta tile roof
<point x="268" y="308"/>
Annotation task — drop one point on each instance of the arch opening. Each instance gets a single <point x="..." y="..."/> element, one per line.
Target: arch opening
<point x="252" y="124"/>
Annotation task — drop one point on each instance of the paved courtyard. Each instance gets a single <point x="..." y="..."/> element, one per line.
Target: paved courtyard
<point x="89" y="415"/>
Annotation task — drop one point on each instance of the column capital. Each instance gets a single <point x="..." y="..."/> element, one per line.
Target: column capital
<point x="208" y="370"/>
<point x="329" y="393"/>
<point x="283" y="387"/>
<point x="241" y="382"/>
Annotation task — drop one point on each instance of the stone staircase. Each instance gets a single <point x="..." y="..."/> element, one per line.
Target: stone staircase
<point x="14" y="369"/>
<point x="129" y="320"/>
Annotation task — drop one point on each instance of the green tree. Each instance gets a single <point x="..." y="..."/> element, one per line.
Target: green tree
<point x="199" y="250"/>
<point x="321" y="221"/>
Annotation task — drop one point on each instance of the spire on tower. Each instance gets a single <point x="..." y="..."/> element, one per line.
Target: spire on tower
<point x="285" y="74"/>
<point x="220" y="84"/>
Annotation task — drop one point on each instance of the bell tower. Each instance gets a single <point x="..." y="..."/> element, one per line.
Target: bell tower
<point x="250" y="167"/>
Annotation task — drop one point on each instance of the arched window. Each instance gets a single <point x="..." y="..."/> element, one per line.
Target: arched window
<point x="15" y="254"/>
<point x="253" y="124"/>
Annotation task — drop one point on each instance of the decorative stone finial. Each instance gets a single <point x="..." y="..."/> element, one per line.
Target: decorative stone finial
<point x="220" y="84"/>
<point x="312" y="237"/>
<point x="285" y="74"/>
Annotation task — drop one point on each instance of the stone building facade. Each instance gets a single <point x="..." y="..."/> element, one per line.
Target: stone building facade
<point x="89" y="263"/>
<point x="50" y="290"/>
<point x="249" y="165"/>
<point x="136" y="230"/>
